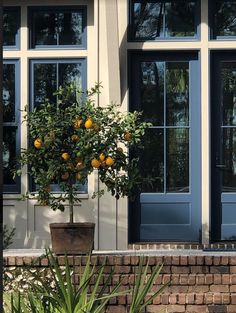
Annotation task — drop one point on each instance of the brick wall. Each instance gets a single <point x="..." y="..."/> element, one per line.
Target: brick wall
<point x="198" y="283"/>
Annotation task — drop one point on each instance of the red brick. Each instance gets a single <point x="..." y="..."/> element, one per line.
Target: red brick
<point x="192" y="279"/>
<point x="200" y="279"/>
<point x="216" y="260"/>
<point x="225" y="298"/>
<point x="181" y="299"/>
<point x="231" y="308"/>
<point x="208" y="298"/>
<point x="126" y="260"/>
<point x="134" y="260"/>
<point x="44" y="262"/>
<point x="121" y="299"/>
<point x="175" y="308"/>
<point x="175" y="260"/>
<point x="175" y="279"/>
<point x="233" y="298"/>
<point x="191" y="260"/>
<point x="232" y="288"/>
<point x="183" y="260"/>
<point x="183" y="279"/>
<point x="173" y="299"/>
<point x="217" y="279"/>
<point x="166" y="278"/>
<point x="219" y="269"/>
<point x="233" y="269"/>
<point x="209" y="279"/>
<point x="200" y="260"/>
<point x="208" y="260"/>
<point x="165" y="299"/>
<point x="180" y="270"/>
<point x="232" y="261"/>
<point x="233" y="279"/>
<point x="157" y="300"/>
<point x="178" y="289"/>
<point x="217" y="298"/>
<point x="19" y="260"/>
<point x="153" y="308"/>
<point x="225" y="279"/>
<point x="199" y="288"/>
<point x="199" y="298"/>
<point x="167" y="260"/>
<point x="116" y="309"/>
<point x="190" y="298"/>
<point x="224" y="260"/>
<point x="219" y="288"/>
<point x="199" y="269"/>
<point x="196" y="309"/>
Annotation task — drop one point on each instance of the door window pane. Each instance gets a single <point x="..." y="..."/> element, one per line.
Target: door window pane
<point x="8" y="92"/>
<point x="229" y="151"/>
<point x="228" y="74"/>
<point x="223" y="18"/>
<point x="163" y="19"/>
<point x="57" y="26"/>
<point x="152" y="92"/>
<point x="11" y="26"/>
<point x="177" y="93"/>
<point x="151" y="162"/>
<point x="177" y="163"/>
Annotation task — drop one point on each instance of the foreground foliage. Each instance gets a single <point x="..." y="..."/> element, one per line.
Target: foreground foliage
<point x="61" y="295"/>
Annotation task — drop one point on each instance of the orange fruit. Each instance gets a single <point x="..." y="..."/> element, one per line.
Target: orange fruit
<point x="65" y="176"/>
<point x="89" y="123"/>
<point x="38" y="143"/>
<point x="102" y="157"/>
<point x="78" y="123"/>
<point x="74" y="138"/>
<point x="109" y="161"/>
<point x="95" y="163"/>
<point x="65" y="156"/>
<point x="127" y="136"/>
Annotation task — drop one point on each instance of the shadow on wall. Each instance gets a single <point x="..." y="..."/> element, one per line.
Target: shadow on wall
<point x="217" y="308"/>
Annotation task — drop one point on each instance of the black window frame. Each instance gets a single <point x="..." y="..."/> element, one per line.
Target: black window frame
<point x="15" y="188"/>
<point x="196" y="37"/>
<point x="32" y="9"/>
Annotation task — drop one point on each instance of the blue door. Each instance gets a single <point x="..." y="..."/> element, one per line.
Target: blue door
<point x="223" y="110"/>
<point x="166" y="88"/>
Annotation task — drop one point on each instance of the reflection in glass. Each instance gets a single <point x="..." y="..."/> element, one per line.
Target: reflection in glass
<point x="152" y="161"/>
<point x="177" y="93"/>
<point x="162" y="19"/>
<point x="56" y="27"/>
<point x="229" y="148"/>
<point x="45" y="82"/>
<point x="177" y="163"/>
<point x="11" y="24"/>
<point x="9" y="153"/>
<point x="224" y="18"/>
<point x="228" y="74"/>
<point x="152" y="92"/>
<point x="69" y="73"/>
<point x="8" y="92"/>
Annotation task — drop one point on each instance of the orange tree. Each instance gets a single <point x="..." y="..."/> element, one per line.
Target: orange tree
<point x="71" y="139"/>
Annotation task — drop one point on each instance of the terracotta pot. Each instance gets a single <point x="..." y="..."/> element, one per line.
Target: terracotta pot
<point x="72" y="238"/>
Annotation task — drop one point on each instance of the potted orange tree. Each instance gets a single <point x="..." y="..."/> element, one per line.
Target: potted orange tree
<point x="67" y="142"/>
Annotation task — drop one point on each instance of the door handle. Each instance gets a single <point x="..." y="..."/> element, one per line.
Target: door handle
<point x="220" y="165"/>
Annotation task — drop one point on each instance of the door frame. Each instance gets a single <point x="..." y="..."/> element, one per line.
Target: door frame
<point x="134" y="211"/>
<point x="216" y="56"/>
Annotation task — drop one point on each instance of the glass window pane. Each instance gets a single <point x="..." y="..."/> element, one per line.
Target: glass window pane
<point x="224" y="18"/>
<point x="229" y="93"/>
<point x="177" y="93"/>
<point x="70" y="72"/>
<point x="152" y="161"/>
<point x="11" y="24"/>
<point x="8" y="92"/>
<point x="229" y="150"/>
<point x="161" y="19"/>
<point x="9" y="153"/>
<point x="177" y="163"/>
<point x="45" y="82"/>
<point x="152" y="92"/>
<point x="70" y="28"/>
<point x="56" y="26"/>
<point x="180" y="19"/>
